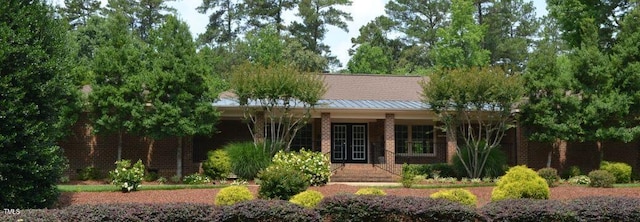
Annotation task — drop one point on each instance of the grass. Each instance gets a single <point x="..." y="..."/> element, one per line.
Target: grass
<point x="110" y="188"/>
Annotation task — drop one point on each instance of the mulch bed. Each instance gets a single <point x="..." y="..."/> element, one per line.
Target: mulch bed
<point x="208" y="195"/>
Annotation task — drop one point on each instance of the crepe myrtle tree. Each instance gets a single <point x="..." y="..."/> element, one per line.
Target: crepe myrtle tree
<point x="276" y="101"/>
<point x="477" y="104"/>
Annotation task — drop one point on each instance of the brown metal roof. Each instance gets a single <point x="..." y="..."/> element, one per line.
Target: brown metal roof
<point x="372" y="87"/>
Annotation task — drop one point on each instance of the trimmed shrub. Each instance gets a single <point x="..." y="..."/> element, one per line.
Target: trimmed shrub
<point x="621" y="171"/>
<point x="39" y="215"/>
<point x="601" y="178"/>
<point x="308" y="199"/>
<point x="314" y="165"/>
<point x="277" y="182"/>
<point x="247" y="159"/>
<point x="371" y="191"/>
<point x="550" y="175"/>
<point x="392" y="208"/>
<point x="137" y="212"/>
<point x="580" y="180"/>
<point x="265" y="210"/>
<point x="520" y="182"/>
<point x="525" y="210"/>
<point x="440" y="170"/>
<point x="196" y="179"/>
<point x="603" y="208"/>
<point x="90" y="173"/>
<point x="218" y="164"/>
<point x="461" y="196"/>
<point x="408" y="177"/>
<point x="494" y="167"/>
<point x="127" y="177"/>
<point x="572" y="171"/>
<point x="232" y="195"/>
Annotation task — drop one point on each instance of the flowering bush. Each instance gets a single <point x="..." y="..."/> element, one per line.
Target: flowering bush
<point x="314" y="165"/>
<point x="127" y="177"/>
<point x="195" y="179"/>
<point x="580" y="179"/>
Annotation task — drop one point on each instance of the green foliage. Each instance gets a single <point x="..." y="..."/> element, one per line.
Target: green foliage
<point x="550" y="175"/>
<point x="520" y="182"/>
<point x="308" y="198"/>
<point x="277" y="182"/>
<point x="407" y="179"/>
<point x="232" y="195"/>
<point x="195" y="179"/>
<point x="90" y="173"/>
<point x="247" y="159"/>
<point x="494" y="166"/>
<point x="460" y="44"/>
<point x="462" y="196"/>
<point x="218" y="164"/>
<point x="621" y="171"/>
<point x="314" y="165"/>
<point x="370" y="60"/>
<point x="150" y="176"/>
<point x="601" y="178"/>
<point x="371" y="191"/>
<point x="276" y="90"/>
<point x="572" y="171"/>
<point x="434" y="170"/>
<point x="38" y="103"/>
<point x="580" y="180"/>
<point x="126" y="176"/>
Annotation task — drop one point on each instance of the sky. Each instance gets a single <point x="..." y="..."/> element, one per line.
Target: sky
<point x="362" y="12"/>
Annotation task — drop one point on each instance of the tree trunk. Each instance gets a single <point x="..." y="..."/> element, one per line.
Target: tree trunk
<point x="119" y="157"/>
<point x="179" y="158"/>
<point x="600" y="152"/>
<point x="150" y="152"/>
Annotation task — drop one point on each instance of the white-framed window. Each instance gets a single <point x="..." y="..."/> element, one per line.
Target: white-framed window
<point x="415" y="140"/>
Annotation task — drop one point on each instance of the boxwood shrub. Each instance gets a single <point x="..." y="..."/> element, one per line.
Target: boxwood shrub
<point x="232" y="195"/>
<point x="308" y="199"/>
<point x="601" y="178"/>
<point x="348" y="207"/>
<point x="371" y="191"/>
<point x="621" y="171"/>
<point x="265" y="210"/>
<point x="520" y="182"/>
<point x="461" y="196"/>
<point x="217" y="166"/>
<point x="277" y="182"/>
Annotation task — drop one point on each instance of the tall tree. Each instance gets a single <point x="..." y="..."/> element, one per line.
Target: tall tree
<point x="37" y="100"/>
<point x="606" y="15"/>
<point x="419" y="20"/>
<point x="226" y="21"/>
<point x="142" y="15"/>
<point x="316" y="15"/>
<point x="77" y="12"/>
<point x="178" y="91"/>
<point x="263" y="13"/>
<point x="114" y="98"/>
<point x="370" y="60"/>
<point x="511" y="30"/>
<point x="459" y="43"/>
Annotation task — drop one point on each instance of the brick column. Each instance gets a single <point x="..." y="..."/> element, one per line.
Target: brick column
<point x="452" y="144"/>
<point x="522" y="151"/>
<point x="258" y="128"/>
<point x="389" y="138"/>
<point x="325" y="130"/>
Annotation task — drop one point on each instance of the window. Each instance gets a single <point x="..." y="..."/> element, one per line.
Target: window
<point x="415" y="140"/>
<point x="303" y="139"/>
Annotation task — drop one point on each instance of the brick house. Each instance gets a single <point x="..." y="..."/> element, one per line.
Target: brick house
<point x="368" y="124"/>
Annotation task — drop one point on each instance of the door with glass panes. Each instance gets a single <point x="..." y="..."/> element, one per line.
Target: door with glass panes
<point x="349" y="143"/>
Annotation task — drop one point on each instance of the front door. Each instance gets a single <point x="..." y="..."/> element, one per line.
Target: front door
<point x="349" y="143"/>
